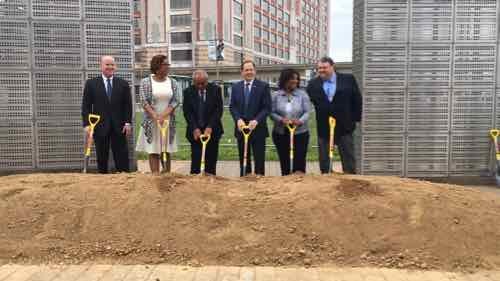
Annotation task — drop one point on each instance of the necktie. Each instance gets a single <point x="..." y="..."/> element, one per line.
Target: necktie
<point x="109" y="88"/>
<point x="201" y="109"/>
<point x="247" y="95"/>
<point x="329" y="93"/>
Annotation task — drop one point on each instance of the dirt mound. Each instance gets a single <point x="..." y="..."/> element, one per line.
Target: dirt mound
<point x="295" y="220"/>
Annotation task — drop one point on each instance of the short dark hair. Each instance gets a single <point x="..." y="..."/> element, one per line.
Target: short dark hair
<point x="287" y="75"/>
<point x="156" y="63"/>
<point x="245" y="62"/>
<point x="327" y="60"/>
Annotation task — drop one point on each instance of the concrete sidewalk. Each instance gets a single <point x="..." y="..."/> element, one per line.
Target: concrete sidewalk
<point x="220" y="273"/>
<point x="232" y="168"/>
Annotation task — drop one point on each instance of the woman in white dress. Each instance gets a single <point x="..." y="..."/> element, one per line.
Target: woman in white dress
<point x="159" y="99"/>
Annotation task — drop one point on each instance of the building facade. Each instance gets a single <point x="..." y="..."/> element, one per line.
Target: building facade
<point x="267" y="31"/>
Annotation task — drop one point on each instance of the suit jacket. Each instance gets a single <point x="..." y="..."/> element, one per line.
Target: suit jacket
<point x="346" y="105"/>
<point x="115" y="112"/>
<point x="212" y="113"/>
<point x="259" y="106"/>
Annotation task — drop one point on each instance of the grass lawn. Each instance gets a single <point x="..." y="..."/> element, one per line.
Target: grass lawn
<point x="228" y="149"/>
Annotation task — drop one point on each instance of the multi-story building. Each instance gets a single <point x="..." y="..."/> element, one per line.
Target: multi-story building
<point x="268" y="31"/>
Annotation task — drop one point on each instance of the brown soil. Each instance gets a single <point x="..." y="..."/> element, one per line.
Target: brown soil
<point x="295" y="220"/>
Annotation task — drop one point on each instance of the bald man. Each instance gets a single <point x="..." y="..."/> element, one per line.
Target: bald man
<point x="109" y="97"/>
<point x="202" y="106"/>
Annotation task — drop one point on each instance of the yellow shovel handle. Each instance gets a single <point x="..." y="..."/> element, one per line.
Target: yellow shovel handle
<point x="291" y="127"/>
<point x="204" y="138"/>
<point x="246" y="134"/>
<point x="494" y="133"/>
<point x="332" y="121"/>
<point x="93" y="120"/>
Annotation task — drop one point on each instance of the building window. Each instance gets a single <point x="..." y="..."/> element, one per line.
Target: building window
<point x="287" y="18"/>
<point x="272" y="24"/>
<point x="180" y="4"/>
<point x="265" y="34"/>
<point x="237" y="25"/>
<point x="237" y="40"/>
<point x="258" y="46"/>
<point x="280" y="27"/>
<point x="265" y="49"/>
<point x="180" y="20"/>
<point x="258" y="60"/>
<point x="180" y="37"/>
<point x="280" y="2"/>
<point x="265" y="21"/>
<point x="257" y="32"/>
<point x="280" y="53"/>
<point x="265" y="6"/>
<point x="238" y="8"/>
<point x="273" y="51"/>
<point x="257" y="16"/>
<point x="273" y="37"/>
<point x="258" y="3"/>
<point x="182" y="55"/>
<point x="280" y="14"/>
<point x="238" y="57"/>
<point x="272" y="10"/>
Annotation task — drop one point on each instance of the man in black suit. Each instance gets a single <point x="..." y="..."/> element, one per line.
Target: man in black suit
<point x="337" y="95"/>
<point x="202" y="106"/>
<point x="109" y="97"/>
<point x="250" y="105"/>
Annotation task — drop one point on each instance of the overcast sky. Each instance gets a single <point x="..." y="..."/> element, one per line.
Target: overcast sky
<point x="341" y="30"/>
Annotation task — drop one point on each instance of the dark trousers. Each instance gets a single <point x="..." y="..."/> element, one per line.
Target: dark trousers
<point x="345" y="147"/>
<point x="282" y="143"/>
<point x="211" y="155"/>
<point x="258" y="147"/>
<point x="119" y="147"/>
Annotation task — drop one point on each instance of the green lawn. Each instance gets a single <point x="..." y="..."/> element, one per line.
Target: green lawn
<point x="227" y="148"/>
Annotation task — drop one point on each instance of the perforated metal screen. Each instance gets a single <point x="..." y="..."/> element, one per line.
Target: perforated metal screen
<point x="428" y="70"/>
<point x="47" y="50"/>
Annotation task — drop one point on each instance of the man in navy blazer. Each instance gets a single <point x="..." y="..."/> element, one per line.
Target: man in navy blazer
<point x="337" y="95"/>
<point x="250" y="105"/>
<point x="109" y="97"/>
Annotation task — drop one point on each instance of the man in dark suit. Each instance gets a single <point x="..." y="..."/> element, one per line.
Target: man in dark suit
<point x="202" y="106"/>
<point x="250" y="105"/>
<point x="109" y="97"/>
<point x="337" y="95"/>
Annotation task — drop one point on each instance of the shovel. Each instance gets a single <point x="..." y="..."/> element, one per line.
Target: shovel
<point x="494" y="135"/>
<point x="93" y="120"/>
<point x="332" y="123"/>
<point x="204" y="139"/>
<point x="163" y="141"/>
<point x="291" y="128"/>
<point x="246" y="131"/>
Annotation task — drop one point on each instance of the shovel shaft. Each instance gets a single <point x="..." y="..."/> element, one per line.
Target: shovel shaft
<point x="245" y="154"/>
<point x="332" y="122"/>
<point x="93" y="120"/>
<point x="204" y="139"/>
<point x="245" y="130"/>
